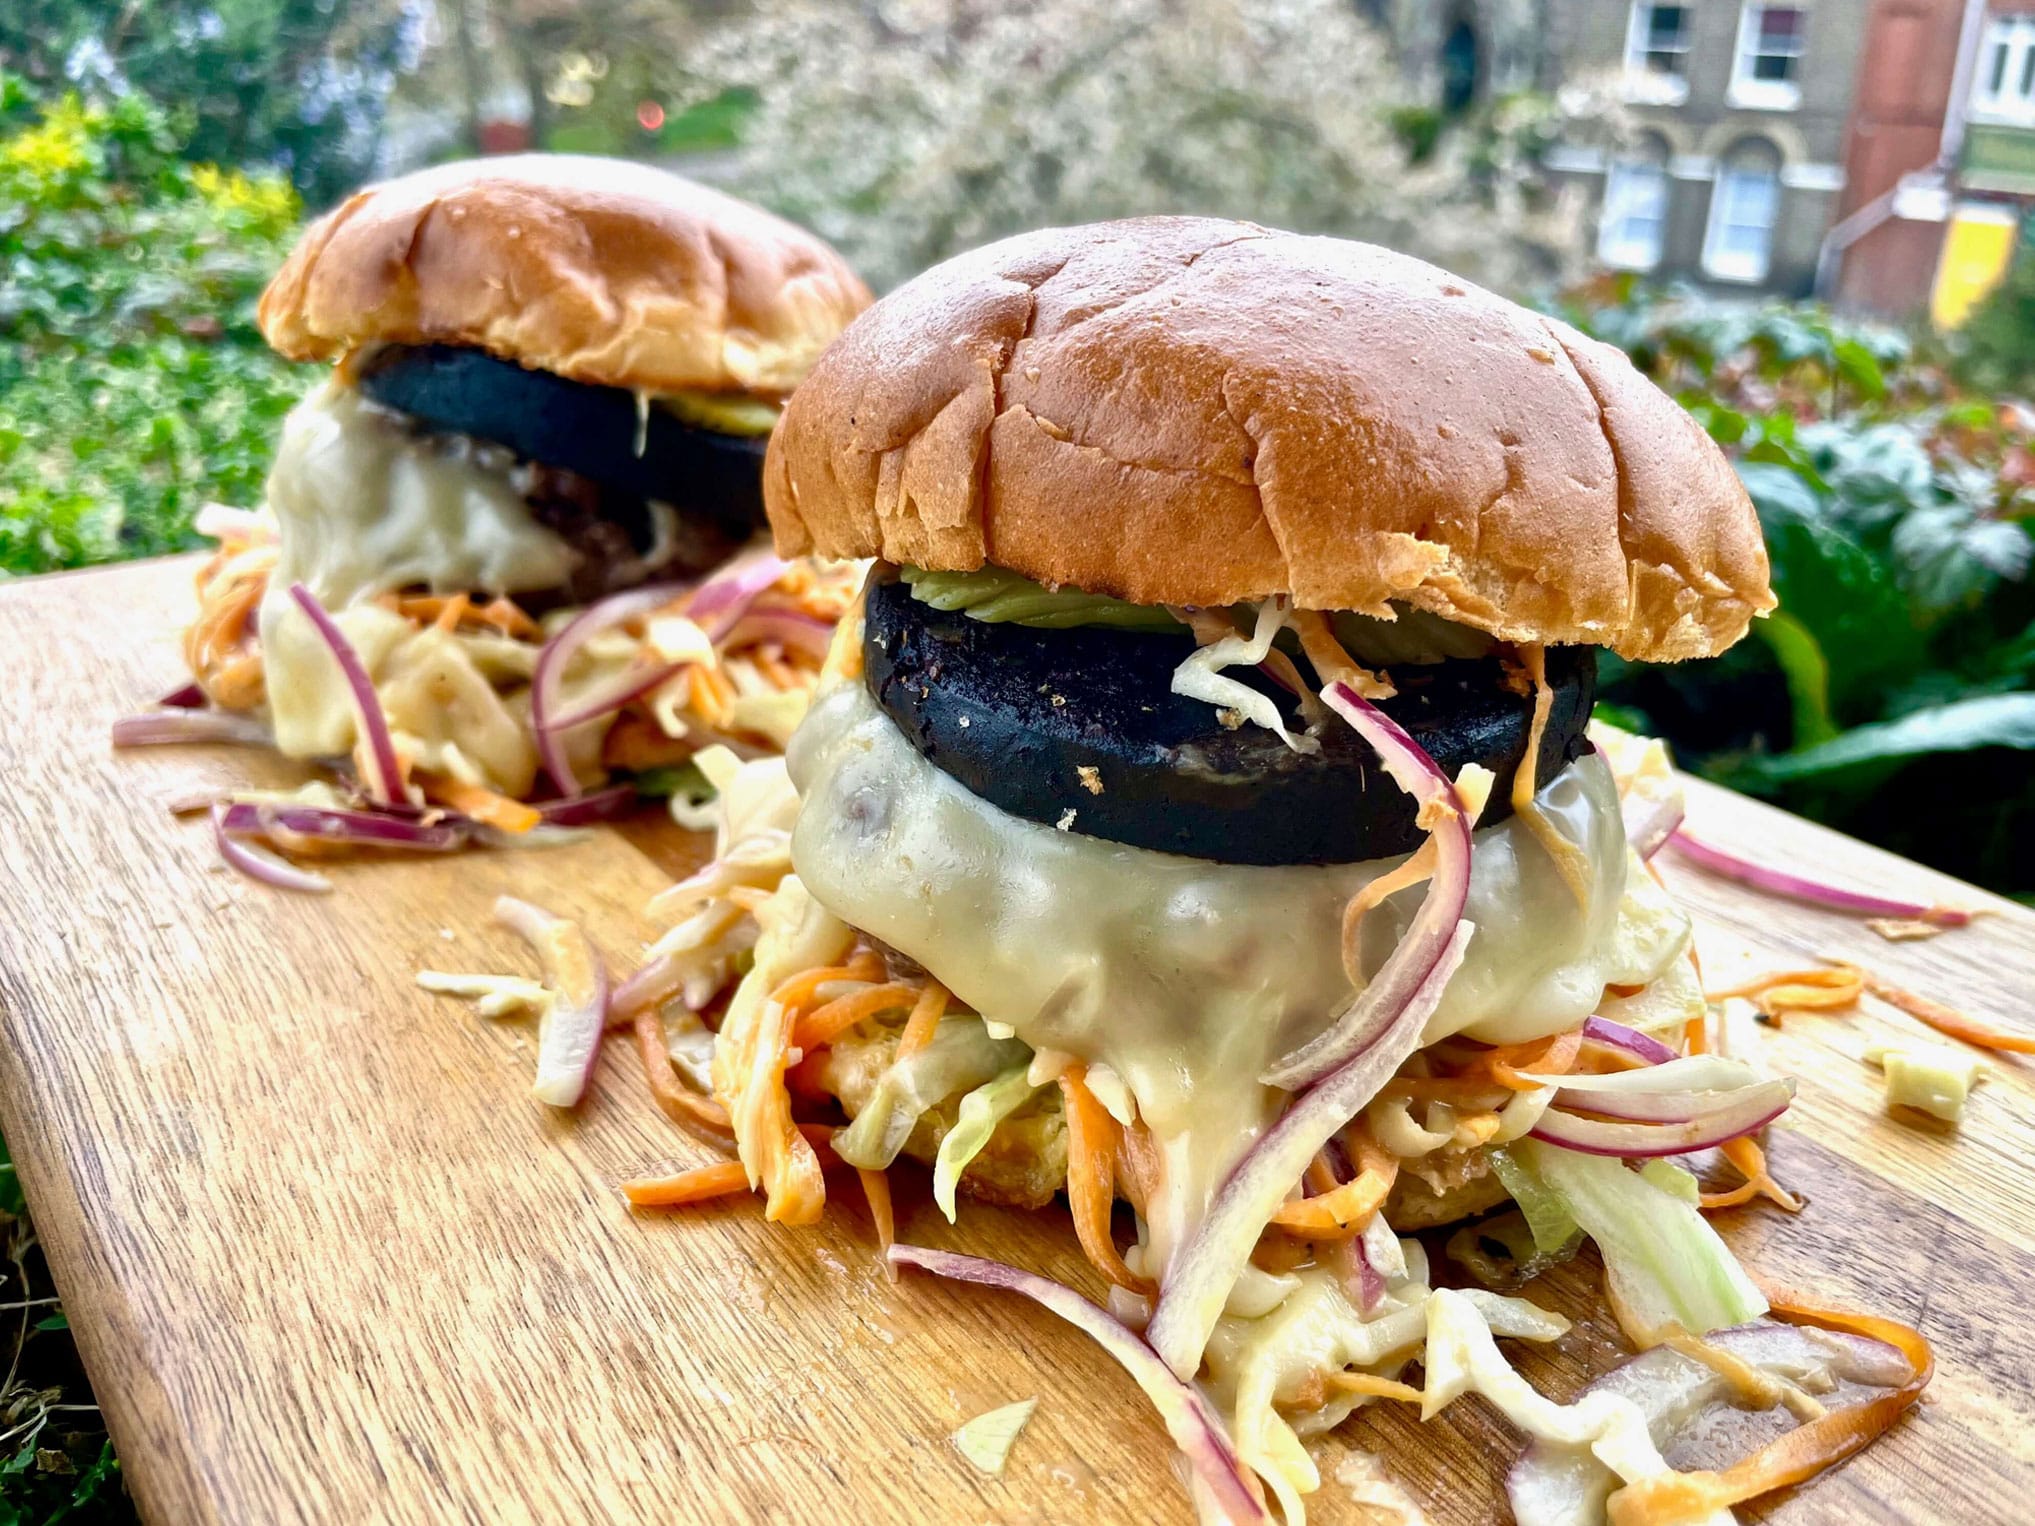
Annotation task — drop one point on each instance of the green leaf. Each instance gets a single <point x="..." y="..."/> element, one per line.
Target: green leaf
<point x="1807" y="672"/>
<point x="1993" y="720"/>
<point x="58" y="1321"/>
<point x="1860" y="368"/>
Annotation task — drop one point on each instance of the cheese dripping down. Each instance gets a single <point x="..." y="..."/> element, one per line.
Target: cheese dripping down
<point x="1186" y="977"/>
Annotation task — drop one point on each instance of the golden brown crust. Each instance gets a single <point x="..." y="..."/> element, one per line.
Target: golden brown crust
<point x="597" y="269"/>
<point x="1189" y="411"/>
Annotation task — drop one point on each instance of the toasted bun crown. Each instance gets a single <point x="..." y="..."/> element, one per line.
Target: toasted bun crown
<point x="1186" y="411"/>
<point x="600" y="270"/>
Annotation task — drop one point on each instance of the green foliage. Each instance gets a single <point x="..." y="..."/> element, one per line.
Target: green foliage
<point x="133" y="384"/>
<point x="1891" y="692"/>
<point x="297" y="85"/>
<point x="1997" y="341"/>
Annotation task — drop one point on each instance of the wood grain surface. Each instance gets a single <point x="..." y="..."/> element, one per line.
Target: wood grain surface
<point x="328" y="1261"/>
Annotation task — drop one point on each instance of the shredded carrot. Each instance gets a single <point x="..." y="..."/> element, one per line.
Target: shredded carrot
<point x="1371" y="1384"/>
<point x="721" y="1179"/>
<point x="1411" y="871"/>
<point x="924" y="1020"/>
<point x="797" y="991"/>
<point x="1091" y="1179"/>
<point x="1338" y="1211"/>
<point x="876" y="1188"/>
<point x="1750" y="1159"/>
<point x="1331" y="662"/>
<point x="1553" y="1056"/>
<point x="697" y="1115"/>
<point x="1784" y="991"/>
<point x="1568" y="858"/>
<point x="826" y="1023"/>
<point x="1944" y="1019"/>
<point x="1794" y="1458"/>
<point x="482" y="804"/>
<point x="456" y="610"/>
<point x="507" y="617"/>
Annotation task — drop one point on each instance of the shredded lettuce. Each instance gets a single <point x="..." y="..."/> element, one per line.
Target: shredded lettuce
<point x="981" y="1111"/>
<point x="961" y="1057"/>
<point x="1662" y="1261"/>
<point x="1547" y="1214"/>
<point x="996" y="596"/>
<point x="1673" y="1180"/>
<point x="1200" y="676"/>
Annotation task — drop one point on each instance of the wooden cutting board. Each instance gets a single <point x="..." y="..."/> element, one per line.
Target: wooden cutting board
<point x="327" y="1260"/>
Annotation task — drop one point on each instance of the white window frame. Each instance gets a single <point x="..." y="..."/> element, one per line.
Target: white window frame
<point x="2008" y="50"/>
<point x="1625" y="181"/>
<point x="1643" y="82"/>
<point x="1749" y="92"/>
<point x="1723" y="264"/>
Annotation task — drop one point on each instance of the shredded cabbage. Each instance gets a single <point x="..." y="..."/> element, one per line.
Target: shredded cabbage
<point x="1662" y="1261"/>
<point x="1200" y="675"/>
<point x="1547" y="1213"/>
<point x="960" y="1057"/>
<point x="987" y="1439"/>
<point x="981" y="1111"/>
<point x="997" y="596"/>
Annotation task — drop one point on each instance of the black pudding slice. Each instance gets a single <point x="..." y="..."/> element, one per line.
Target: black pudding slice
<point x="1041" y="722"/>
<point x="587" y="430"/>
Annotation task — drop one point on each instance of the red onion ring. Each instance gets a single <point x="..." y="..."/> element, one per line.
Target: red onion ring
<point x="382" y="772"/>
<point x="1641" y="1045"/>
<point x="791" y="629"/>
<point x="1745" y="1112"/>
<point x="270" y="819"/>
<point x="1197" y="1285"/>
<point x="637" y="681"/>
<point x="545" y="720"/>
<point x="257" y="863"/>
<point x="610" y="804"/>
<point x="190" y="697"/>
<point x="1650" y="823"/>
<point x="726" y="597"/>
<point x="1448" y="892"/>
<point x="1798" y="887"/>
<point x="1190" y="1420"/>
<point x="169" y="727"/>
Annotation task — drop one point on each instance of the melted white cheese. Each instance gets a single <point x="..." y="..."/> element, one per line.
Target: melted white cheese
<point x="1186" y="977"/>
<point x="363" y="507"/>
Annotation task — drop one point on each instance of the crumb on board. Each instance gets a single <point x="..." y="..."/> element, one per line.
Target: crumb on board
<point x="1091" y="777"/>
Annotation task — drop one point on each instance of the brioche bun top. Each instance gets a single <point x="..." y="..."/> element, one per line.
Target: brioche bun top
<point x="1191" y="411"/>
<point x="599" y="270"/>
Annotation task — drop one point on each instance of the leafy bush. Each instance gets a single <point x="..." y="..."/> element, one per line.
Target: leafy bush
<point x="133" y="385"/>
<point x="1890" y="693"/>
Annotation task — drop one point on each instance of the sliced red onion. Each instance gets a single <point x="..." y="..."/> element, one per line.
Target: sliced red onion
<point x="725" y="597"/>
<point x="547" y="719"/>
<point x="258" y="863"/>
<point x="1734" y="1116"/>
<point x="1448" y="892"/>
<point x="1679" y="1073"/>
<point x="166" y="727"/>
<point x="1190" y="1420"/>
<point x="1197" y="1285"/>
<point x="1651" y="820"/>
<point x="190" y="697"/>
<point x="1797" y="887"/>
<point x="637" y="681"/>
<point x="1641" y="1045"/>
<point x="382" y="772"/>
<point x="273" y="820"/>
<point x="610" y="804"/>
<point x="651" y="986"/>
<point x="1554" y="1484"/>
<point x="569" y="1041"/>
<point x="1675" y="1107"/>
<point x="789" y="628"/>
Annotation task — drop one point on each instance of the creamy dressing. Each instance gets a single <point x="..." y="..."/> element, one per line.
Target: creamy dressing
<point x="1184" y="976"/>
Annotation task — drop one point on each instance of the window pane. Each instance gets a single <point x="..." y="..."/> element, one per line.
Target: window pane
<point x="1773" y="66"/>
<point x="1996" y="77"/>
<point x="2027" y="74"/>
<point x="1779" y="26"/>
<point x="1664" y="27"/>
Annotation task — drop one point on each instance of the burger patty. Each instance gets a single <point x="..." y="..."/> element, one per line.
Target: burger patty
<point x="590" y="432"/>
<point x="1046" y="722"/>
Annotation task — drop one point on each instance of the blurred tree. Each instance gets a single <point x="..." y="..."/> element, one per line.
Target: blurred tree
<point x="298" y="84"/>
<point x="907" y="131"/>
<point x="1996" y="344"/>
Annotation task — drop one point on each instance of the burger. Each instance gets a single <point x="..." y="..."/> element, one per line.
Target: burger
<point x="552" y="379"/>
<point x="1200" y="819"/>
